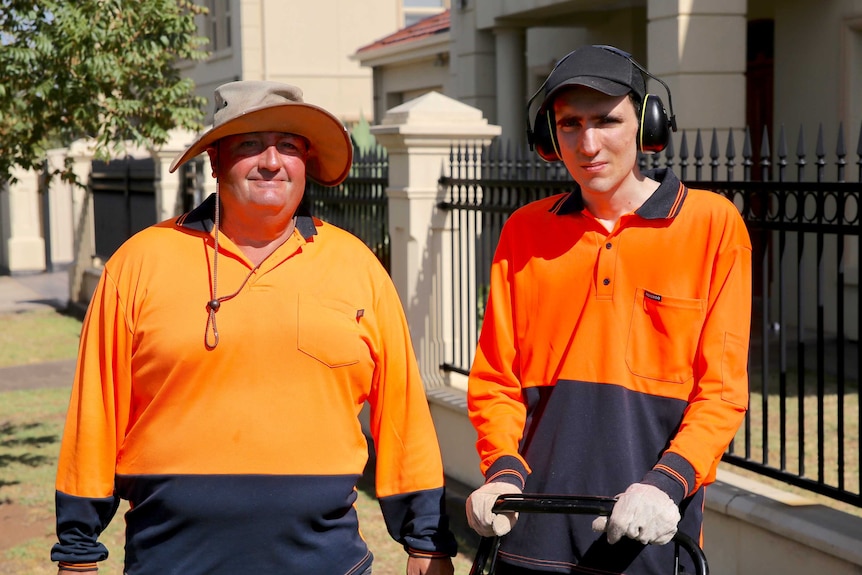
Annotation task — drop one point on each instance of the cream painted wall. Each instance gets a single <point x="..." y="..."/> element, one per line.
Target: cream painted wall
<point x="415" y="76"/>
<point x="698" y="48"/>
<point x="308" y="44"/>
<point x="472" y="63"/>
<point x="674" y="39"/>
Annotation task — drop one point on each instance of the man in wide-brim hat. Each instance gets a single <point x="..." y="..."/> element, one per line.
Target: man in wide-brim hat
<point x="247" y="107"/>
<point x="224" y="360"/>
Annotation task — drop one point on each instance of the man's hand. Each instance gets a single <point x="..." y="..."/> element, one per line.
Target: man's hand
<point x="479" y="505"/>
<point x="429" y="566"/>
<point x="644" y="513"/>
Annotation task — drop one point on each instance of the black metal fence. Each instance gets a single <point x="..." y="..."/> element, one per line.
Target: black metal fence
<point x="358" y="205"/>
<point x="803" y="422"/>
<point x="124" y="200"/>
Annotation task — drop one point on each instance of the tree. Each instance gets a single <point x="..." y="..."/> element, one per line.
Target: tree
<point x="104" y="69"/>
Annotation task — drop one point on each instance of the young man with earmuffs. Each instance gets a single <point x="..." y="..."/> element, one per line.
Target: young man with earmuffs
<point x="613" y="355"/>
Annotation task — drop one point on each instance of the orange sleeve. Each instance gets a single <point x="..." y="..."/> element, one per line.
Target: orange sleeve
<point x="98" y="408"/>
<point x="407" y="450"/>
<point x="720" y="395"/>
<point x="494" y="400"/>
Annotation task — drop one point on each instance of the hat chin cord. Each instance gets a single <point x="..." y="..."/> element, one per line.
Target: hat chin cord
<point x="211" y="333"/>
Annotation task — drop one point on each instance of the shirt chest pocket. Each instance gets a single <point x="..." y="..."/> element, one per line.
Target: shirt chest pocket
<point x="663" y="336"/>
<point x="328" y="331"/>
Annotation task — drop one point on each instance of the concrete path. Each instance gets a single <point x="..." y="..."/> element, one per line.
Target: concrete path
<point x="34" y="291"/>
<point x="20" y="293"/>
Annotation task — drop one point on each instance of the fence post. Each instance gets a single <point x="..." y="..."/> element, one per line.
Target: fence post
<point x="169" y="187"/>
<point x="59" y="227"/>
<point x="418" y="136"/>
<point x="21" y="239"/>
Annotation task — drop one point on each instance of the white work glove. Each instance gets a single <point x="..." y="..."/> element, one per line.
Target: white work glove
<point x="480" y="503"/>
<point x="644" y="513"/>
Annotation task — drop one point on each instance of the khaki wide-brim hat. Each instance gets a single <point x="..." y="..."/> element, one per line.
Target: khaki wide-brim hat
<point x="261" y="106"/>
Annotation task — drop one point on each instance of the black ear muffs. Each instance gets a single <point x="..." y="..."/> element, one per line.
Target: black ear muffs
<point x="654" y="127"/>
<point x="543" y="137"/>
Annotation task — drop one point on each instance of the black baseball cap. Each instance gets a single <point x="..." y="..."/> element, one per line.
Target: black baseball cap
<point x="603" y="68"/>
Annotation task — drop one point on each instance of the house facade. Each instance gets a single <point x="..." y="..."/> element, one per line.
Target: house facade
<point x="779" y="68"/>
<point x="308" y="44"/>
<point x="728" y="63"/>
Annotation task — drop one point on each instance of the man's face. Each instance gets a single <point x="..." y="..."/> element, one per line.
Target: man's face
<point x="260" y="172"/>
<point x="597" y="135"/>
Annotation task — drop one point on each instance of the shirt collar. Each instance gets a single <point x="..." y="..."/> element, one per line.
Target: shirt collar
<point x="664" y="203"/>
<point x="202" y="218"/>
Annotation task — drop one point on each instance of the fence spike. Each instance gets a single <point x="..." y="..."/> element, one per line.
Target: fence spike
<point x="730" y="154"/>
<point x="522" y="164"/>
<point x="800" y="154"/>
<point x="820" y="152"/>
<point x="683" y="156"/>
<point x="765" y="155"/>
<point x="765" y="152"/>
<point x="841" y="152"/>
<point x="453" y="163"/>
<point x="800" y="143"/>
<point x="730" y="149"/>
<point x="859" y="153"/>
<point x="714" y="155"/>
<point x="493" y="153"/>
<point x="746" y="143"/>
<point x="698" y="145"/>
<point x="698" y="155"/>
<point x="713" y="146"/>
<point x="782" y="153"/>
<point x="746" y="155"/>
<point x="668" y="154"/>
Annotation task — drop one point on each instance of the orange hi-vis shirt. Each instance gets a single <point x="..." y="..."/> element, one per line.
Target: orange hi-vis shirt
<point x="609" y="358"/>
<point x="244" y="458"/>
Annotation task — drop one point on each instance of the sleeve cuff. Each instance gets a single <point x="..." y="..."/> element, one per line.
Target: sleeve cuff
<point x="507" y="469"/>
<point x="426" y="554"/>
<point x="78" y="567"/>
<point x="674" y="475"/>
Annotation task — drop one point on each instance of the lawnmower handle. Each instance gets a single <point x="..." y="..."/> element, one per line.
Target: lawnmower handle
<point x="579" y="504"/>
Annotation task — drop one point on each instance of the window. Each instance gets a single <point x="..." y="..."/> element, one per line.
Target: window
<point x="219" y="24"/>
<point x="415" y="10"/>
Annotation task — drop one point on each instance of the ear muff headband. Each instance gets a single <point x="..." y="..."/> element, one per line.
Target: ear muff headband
<point x="552" y="130"/>
<point x="653" y="129"/>
<point x="641" y="123"/>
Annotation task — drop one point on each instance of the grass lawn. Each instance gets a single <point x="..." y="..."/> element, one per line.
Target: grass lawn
<point x="37" y="336"/>
<point x="31" y="424"/>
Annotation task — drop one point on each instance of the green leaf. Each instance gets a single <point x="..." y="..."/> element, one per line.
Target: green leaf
<point x="98" y="68"/>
